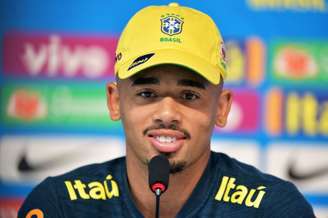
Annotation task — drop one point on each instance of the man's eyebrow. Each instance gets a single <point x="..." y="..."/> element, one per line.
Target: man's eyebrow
<point x="192" y="83"/>
<point x="145" y="81"/>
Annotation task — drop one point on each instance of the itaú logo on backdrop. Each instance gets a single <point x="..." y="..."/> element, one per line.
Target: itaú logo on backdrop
<point x="58" y="55"/>
<point x="296" y="113"/>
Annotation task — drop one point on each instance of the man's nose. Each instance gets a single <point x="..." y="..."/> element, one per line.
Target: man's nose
<point x="167" y="112"/>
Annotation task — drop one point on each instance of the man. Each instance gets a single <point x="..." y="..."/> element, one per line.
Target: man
<point x="170" y="65"/>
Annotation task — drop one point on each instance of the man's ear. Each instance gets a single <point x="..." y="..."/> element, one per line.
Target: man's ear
<point x="224" y="105"/>
<point x="113" y="101"/>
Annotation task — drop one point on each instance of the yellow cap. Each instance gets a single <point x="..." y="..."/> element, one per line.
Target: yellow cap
<point x="171" y="35"/>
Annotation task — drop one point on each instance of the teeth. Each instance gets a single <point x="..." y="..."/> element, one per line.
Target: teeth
<point x="165" y="139"/>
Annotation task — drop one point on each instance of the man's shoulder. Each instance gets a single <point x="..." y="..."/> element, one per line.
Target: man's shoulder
<point x="94" y="171"/>
<point x="245" y="185"/>
<point x="79" y="189"/>
<point x="85" y="178"/>
<point x="242" y="174"/>
<point x="231" y="167"/>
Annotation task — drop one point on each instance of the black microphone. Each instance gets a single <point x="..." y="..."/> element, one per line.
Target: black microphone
<point x="159" y="172"/>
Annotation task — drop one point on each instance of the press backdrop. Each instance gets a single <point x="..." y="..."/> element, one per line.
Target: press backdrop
<point x="56" y="57"/>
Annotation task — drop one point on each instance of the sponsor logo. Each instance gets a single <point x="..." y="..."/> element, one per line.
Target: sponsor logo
<point x="245" y="61"/>
<point x="304" y="163"/>
<point x="300" y="175"/>
<point x="51" y="105"/>
<point x="93" y="190"/>
<point x="295" y="63"/>
<point x="236" y="68"/>
<point x="35" y="213"/>
<point x="27" y="166"/>
<point x="239" y="194"/>
<point x="299" y="61"/>
<point x="170" y="39"/>
<point x="223" y="56"/>
<point x="297" y="114"/>
<point x="171" y="24"/>
<point x="295" y="5"/>
<point x="118" y="57"/>
<point x="244" y="114"/>
<point x="140" y="60"/>
<point x="30" y="159"/>
<point x="57" y="55"/>
<point x="26" y="105"/>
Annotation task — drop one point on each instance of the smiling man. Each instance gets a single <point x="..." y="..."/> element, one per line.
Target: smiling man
<point x="170" y="66"/>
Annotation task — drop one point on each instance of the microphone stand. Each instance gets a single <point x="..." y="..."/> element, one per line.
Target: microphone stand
<point x="159" y="171"/>
<point x="157" y="194"/>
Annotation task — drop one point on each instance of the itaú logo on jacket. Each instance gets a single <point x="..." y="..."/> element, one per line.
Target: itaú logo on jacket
<point x="96" y="190"/>
<point x="239" y="194"/>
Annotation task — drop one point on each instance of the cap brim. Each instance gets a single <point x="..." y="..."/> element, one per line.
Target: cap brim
<point x="177" y="57"/>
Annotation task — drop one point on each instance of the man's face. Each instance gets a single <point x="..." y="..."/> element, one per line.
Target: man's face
<point x="170" y="110"/>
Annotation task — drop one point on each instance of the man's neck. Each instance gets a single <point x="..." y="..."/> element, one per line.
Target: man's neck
<point x="179" y="190"/>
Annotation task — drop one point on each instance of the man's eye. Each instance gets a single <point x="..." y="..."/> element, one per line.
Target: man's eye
<point x="190" y="96"/>
<point x="147" y="94"/>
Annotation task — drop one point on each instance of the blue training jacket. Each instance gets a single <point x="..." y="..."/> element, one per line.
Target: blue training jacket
<point x="227" y="189"/>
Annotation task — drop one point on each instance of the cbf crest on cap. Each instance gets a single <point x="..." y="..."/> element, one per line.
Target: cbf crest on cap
<point x="171" y="25"/>
<point x="171" y="35"/>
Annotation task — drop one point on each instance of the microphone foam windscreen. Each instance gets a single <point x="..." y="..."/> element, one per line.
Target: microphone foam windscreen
<point x="159" y="170"/>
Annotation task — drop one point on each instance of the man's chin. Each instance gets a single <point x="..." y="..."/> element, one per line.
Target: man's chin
<point x="176" y="167"/>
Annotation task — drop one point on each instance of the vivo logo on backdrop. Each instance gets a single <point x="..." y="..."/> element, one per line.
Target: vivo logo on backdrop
<point x="58" y="55"/>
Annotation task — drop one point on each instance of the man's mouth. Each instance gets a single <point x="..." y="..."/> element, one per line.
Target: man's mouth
<point x="165" y="140"/>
